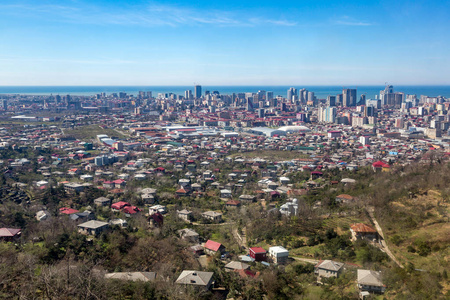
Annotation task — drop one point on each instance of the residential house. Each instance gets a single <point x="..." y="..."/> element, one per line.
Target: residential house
<point x="132" y="276"/>
<point x="42" y="215"/>
<point x="10" y="234"/>
<point x="119" y="206"/>
<point x="233" y="204"/>
<point x="380" y="166"/>
<point x="344" y="198"/>
<point x="74" y="187"/>
<point x="184" y="214"/>
<point x="212" y="247"/>
<point x="225" y="193"/>
<point x="278" y="254"/>
<point x="212" y="216"/>
<point x="102" y="201"/>
<point x="257" y="253"/>
<point x="120" y="222"/>
<point x="189" y="235"/>
<point x="236" y="265"/>
<point x="92" y="227"/>
<point x="196" y="278"/>
<point x="361" y="231"/>
<point x="370" y="281"/>
<point x="328" y="268"/>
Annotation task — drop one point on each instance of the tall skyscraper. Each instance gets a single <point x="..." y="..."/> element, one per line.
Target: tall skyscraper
<point x="331" y="101"/>
<point x="198" y="91"/>
<point x="269" y="96"/>
<point x="388" y="97"/>
<point x="188" y="95"/>
<point x="327" y="114"/>
<point x="291" y="94"/>
<point x="362" y="99"/>
<point x="348" y="97"/>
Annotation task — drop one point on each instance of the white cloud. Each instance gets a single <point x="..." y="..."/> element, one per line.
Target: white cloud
<point x="152" y="15"/>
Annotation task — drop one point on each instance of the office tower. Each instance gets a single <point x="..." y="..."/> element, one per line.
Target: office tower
<point x="269" y="96"/>
<point x="261" y="113"/>
<point x="188" y="95"/>
<point x="339" y="98"/>
<point x="198" y="91"/>
<point x="261" y="95"/>
<point x="311" y="96"/>
<point x="388" y="97"/>
<point x="5" y="104"/>
<point x="348" y="97"/>
<point x="331" y="101"/>
<point x="149" y="95"/>
<point x="362" y="100"/>
<point x="249" y="104"/>
<point x="122" y="95"/>
<point x="291" y="94"/>
<point x="370" y="111"/>
<point x="255" y="99"/>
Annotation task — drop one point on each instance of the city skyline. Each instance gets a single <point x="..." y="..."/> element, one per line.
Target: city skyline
<point x="225" y="43"/>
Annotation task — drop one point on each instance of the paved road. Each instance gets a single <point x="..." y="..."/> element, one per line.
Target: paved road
<point x="384" y="247"/>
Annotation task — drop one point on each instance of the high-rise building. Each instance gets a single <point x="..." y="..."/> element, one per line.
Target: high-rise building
<point x="327" y="114"/>
<point x="311" y="96"/>
<point x="331" y="101"/>
<point x="261" y="113"/>
<point x="388" y="97"/>
<point x="5" y="104"/>
<point x="188" y="95"/>
<point x="198" y="91"/>
<point x="262" y="95"/>
<point x="269" y="96"/>
<point x="249" y="104"/>
<point x="362" y="99"/>
<point x="291" y="94"/>
<point x="348" y="97"/>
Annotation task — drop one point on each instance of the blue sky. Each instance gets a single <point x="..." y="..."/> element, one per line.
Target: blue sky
<point x="231" y="42"/>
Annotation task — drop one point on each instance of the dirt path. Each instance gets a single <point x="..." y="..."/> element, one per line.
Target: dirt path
<point x="241" y="239"/>
<point x="308" y="260"/>
<point x="384" y="247"/>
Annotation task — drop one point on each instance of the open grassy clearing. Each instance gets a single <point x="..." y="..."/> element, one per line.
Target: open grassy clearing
<point x="90" y="132"/>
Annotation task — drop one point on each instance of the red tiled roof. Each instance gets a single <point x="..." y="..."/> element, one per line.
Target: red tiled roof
<point x="360" y="227"/>
<point x="120" y="205"/>
<point x="9" y="232"/>
<point x="67" y="211"/>
<point x="257" y="250"/>
<point x="211" y="245"/>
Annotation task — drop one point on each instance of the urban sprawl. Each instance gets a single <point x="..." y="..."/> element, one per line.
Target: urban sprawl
<point x="206" y="174"/>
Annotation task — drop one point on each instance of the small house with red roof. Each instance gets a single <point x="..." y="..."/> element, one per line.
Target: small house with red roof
<point x="363" y="231"/>
<point x="67" y="210"/>
<point x="9" y="234"/>
<point x="119" y="183"/>
<point x="119" y="205"/>
<point x="233" y="204"/>
<point x="211" y="247"/>
<point x="344" y="198"/>
<point x="156" y="219"/>
<point x="380" y="166"/>
<point x="257" y="253"/>
<point x="131" y="210"/>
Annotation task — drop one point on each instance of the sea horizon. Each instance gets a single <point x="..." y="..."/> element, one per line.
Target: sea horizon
<point x="321" y="91"/>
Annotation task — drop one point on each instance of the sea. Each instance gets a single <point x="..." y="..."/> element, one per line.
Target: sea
<point x="321" y="92"/>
